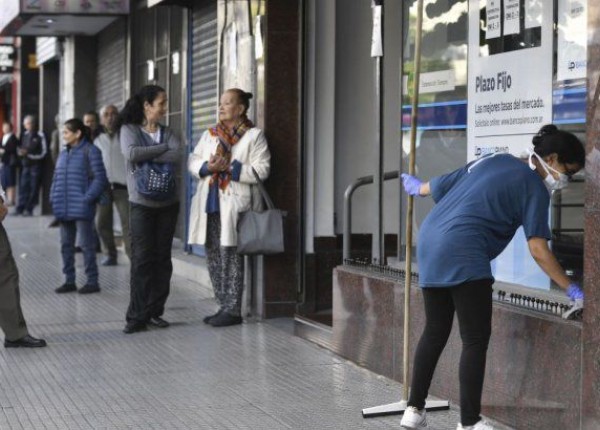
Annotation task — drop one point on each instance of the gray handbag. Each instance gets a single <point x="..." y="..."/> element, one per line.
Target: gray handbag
<point x="260" y="232"/>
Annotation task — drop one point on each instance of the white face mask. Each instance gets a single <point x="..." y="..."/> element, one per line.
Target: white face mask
<point x="550" y="182"/>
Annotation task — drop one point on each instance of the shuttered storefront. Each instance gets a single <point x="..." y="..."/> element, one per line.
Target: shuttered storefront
<point x="111" y="76"/>
<point x="204" y="83"/>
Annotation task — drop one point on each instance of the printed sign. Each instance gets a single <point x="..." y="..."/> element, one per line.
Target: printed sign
<point x="7" y="58"/>
<point x="492" y="12"/>
<point x="431" y="82"/>
<point x="512" y="17"/>
<point x="507" y="102"/>
<point x="572" y="40"/>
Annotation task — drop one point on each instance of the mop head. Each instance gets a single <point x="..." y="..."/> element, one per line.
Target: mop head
<point x="575" y="312"/>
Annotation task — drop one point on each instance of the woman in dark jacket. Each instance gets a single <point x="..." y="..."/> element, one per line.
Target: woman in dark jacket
<point x="152" y="217"/>
<point x="79" y="181"/>
<point x="10" y="161"/>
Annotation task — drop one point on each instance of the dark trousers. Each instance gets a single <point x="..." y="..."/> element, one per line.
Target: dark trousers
<point x="11" y="316"/>
<point x="472" y="302"/>
<point x="152" y="231"/>
<point x="29" y="187"/>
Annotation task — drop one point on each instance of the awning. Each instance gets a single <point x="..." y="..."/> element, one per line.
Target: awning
<point x="53" y="18"/>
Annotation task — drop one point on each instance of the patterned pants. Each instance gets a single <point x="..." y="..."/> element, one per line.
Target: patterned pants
<point x="225" y="267"/>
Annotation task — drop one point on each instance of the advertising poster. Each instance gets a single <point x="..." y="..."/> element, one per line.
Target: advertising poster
<point x="572" y="40"/>
<point x="508" y="99"/>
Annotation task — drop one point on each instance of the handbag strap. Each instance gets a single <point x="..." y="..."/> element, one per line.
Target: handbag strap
<point x="263" y="191"/>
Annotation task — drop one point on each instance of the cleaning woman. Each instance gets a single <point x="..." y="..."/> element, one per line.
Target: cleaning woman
<point x="479" y="207"/>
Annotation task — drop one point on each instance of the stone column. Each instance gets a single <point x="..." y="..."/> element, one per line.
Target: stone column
<point x="591" y="319"/>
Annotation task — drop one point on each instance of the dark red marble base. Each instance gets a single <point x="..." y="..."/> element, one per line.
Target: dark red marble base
<point x="533" y="369"/>
<point x="591" y="317"/>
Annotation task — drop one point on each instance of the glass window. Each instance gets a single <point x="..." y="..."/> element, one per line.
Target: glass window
<point x="506" y="25"/>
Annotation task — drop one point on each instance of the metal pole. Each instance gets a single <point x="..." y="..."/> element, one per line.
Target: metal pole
<point x="410" y="205"/>
<point x="378" y="240"/>
<point x="430" y="405"/>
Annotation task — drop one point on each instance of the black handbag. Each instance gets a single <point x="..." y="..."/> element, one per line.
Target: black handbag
<point x="260" y="232"/>
<point x="155" y="181"/>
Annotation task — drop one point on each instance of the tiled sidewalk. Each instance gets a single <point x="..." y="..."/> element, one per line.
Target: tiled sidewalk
<point x="189" y="376"/>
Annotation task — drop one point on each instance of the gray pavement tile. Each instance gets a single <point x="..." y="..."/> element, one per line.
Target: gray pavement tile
<point x="189" y="376"/>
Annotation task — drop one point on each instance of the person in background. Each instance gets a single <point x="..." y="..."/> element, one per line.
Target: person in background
<point x="91" y="120"/>
<point x="32" y="150"/>
<point x="152" y="222"/>
<point x="479" y="207"/>
<point x="55" y="147"/>
<point x="114" y="162"/>
<point x="223" y="161"/>
<point x="10" y="161"/>
<point x="12" y="320"/>
<point x="79" y="180"/>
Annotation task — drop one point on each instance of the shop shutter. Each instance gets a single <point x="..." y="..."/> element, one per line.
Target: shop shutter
<point x="203" y="89"/>
<point x="110" y="78"/>
<point x="204" y="97"/>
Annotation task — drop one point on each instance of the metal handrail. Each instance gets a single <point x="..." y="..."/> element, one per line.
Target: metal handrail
<point x="365" y="180"/>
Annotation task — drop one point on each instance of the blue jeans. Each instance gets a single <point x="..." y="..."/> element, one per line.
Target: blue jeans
<point x="29" y="187"/>
<point x="68" y="232"/>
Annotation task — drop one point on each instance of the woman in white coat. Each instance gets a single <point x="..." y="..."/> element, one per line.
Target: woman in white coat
<point x="223" y="161"/>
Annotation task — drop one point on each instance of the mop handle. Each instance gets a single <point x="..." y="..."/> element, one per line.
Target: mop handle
<point x="409" y="210"/>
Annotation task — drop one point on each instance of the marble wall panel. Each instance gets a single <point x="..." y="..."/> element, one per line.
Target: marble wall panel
<point x="533" y="370"/>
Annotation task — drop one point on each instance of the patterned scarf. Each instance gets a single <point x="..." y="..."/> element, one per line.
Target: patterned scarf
<point x="226" y="142"/>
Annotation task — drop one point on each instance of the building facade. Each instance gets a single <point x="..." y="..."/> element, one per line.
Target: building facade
<point x="336" y="118"/>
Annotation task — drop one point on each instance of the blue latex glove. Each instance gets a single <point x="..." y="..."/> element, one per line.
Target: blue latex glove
<point x="574" y="292"/>
<point x="412" y="184"/>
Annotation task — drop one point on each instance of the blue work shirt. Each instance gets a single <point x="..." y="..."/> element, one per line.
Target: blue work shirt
<point x="478" y="209"/>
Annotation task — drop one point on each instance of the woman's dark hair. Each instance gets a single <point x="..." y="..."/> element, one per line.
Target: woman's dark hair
<point x="243" y="98"/>
<point x="133" y="112"/>
<point x="75" y="124"/>
<point x="550" y="140"/>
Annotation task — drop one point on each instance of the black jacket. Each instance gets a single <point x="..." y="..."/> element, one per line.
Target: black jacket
<point x="9" y="158"/>
<point x="35" y="144"/>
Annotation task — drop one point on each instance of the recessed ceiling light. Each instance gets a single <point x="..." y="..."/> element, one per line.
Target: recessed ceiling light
<point x="50" y="21"/>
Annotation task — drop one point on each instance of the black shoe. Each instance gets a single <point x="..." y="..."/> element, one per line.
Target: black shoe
<point x="66" y="288"/>
<point x="158" y="322"/>
<point x="54" y="223"/>
<point x="78" y="249"/>
<point x="89" y="289"/>
<point x="210" y="317"/>
<point x="26" y="341"/>
<point x="225" y="319"/>
<point x="134" y="327"/>
<point x="109" y="261"/>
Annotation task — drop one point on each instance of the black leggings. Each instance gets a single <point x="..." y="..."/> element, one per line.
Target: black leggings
<point x="472" y="302"/>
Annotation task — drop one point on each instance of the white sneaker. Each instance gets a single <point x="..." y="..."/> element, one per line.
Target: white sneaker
<point x="414" y="418"/>
<point x="481" y="425"/>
